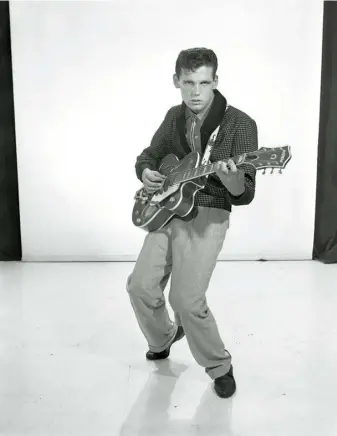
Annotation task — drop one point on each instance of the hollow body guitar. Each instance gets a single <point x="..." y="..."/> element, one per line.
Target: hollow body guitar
<point x="184" y="178"/>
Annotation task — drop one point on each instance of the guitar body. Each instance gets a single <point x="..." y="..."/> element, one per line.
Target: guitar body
<point x="154" y="212"/>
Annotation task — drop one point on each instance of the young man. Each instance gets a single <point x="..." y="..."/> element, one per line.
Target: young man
<point x="186" y="249"/>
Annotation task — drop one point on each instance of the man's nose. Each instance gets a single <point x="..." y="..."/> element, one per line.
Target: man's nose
<point x="196" y="90"/>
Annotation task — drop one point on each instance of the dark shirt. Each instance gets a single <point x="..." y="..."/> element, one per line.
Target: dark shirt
<point x="194" y="123"/>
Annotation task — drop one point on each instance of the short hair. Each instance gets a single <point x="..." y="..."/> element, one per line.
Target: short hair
<point x="194" y="58"/>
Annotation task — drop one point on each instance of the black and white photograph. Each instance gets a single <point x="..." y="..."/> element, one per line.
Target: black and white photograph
<point x="168" y="218"/>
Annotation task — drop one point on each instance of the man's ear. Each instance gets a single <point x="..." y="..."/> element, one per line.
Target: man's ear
<point x="215" y="82"/>
<point x="176" y="81"/>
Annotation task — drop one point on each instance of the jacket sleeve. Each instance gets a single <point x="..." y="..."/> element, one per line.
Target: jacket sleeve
<point x="159" y="147"/>
<point x="245" y="141"/>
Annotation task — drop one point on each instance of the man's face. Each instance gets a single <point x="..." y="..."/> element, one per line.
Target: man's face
<point x="196" y="87"/>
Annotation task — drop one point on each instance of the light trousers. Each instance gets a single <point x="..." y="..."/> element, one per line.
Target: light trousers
<point x="187" y="252"/>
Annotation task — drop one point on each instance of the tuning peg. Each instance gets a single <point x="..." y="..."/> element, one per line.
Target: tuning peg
<point x="280" y="171"/>
<point x="272" y="170"/>
<point x="264" y="172"/>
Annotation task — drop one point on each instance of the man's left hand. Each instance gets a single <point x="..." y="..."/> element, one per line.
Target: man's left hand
<point x="231" y="177"/>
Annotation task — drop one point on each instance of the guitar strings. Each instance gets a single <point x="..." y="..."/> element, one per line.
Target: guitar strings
<point x="187" y="174"/>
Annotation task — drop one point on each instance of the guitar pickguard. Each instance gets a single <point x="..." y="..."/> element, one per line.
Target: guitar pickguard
<point x="157" y="198"/>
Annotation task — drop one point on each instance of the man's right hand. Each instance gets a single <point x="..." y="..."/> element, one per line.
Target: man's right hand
<point x="153" y="181"/>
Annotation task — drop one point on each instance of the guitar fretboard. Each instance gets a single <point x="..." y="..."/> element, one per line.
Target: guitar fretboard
<point x="194" y="173"/>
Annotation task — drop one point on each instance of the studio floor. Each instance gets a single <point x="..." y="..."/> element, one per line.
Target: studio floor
<point x="72" y="358"/>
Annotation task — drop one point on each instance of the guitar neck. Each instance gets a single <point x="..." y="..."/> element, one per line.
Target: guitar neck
<point x="276" y="157"/>
<point x="203" y="170"/>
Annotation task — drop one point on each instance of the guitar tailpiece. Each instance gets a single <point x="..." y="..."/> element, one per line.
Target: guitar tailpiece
<point x="141" y="195"/>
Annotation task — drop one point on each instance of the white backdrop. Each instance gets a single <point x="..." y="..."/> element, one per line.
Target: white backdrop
<point x="92" y="82"/>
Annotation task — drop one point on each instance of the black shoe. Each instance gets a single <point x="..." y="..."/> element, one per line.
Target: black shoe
<point x="225" y="385"/>
<point x="151" y="355"/>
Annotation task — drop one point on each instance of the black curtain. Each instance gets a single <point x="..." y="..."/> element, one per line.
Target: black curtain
<point x="10" y="235"/>
<point x="325" y="238"/>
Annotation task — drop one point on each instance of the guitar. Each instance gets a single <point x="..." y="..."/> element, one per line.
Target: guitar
<point x="152" y="211"/>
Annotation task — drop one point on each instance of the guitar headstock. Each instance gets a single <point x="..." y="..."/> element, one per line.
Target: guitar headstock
<point x="275" y="157"/>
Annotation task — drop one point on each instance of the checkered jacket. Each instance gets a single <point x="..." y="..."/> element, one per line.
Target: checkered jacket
<point x="237" y="135"/>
